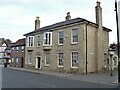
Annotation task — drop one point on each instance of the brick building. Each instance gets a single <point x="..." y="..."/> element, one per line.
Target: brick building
<point x="18" y="53"/>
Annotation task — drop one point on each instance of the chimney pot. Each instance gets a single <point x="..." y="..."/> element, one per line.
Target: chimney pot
<point x="98" y="14"/>
<point x="68" y="17"/>
<point x="37" y="18"/>
<point x="98" y="3"/>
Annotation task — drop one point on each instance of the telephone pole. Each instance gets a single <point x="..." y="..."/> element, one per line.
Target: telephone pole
<point x="117" y="42"/>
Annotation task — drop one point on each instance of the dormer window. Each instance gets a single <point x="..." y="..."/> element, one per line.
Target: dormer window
<point x="47" y="39"/>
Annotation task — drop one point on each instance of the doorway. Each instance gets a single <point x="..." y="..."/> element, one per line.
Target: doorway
<point x="22" y="62"/>
<point x="38" y="62"/>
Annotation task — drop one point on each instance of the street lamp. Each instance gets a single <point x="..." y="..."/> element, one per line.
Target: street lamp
<point x="111" y="53"/>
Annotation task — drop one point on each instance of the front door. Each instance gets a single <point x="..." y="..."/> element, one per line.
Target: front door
<point x="38" y="62"/>
<point x="21" y="62"/>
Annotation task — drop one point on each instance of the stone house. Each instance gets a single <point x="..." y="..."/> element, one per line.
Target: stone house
<point x="74" y="45"/>
<point x="18" y="53"/>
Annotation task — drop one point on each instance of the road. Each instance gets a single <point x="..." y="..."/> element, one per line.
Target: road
<point x="22" y="79"/>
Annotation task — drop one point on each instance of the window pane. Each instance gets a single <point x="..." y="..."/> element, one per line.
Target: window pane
<point x="47" y="38"/>
<point x="47" y="58"/>
<point x="75" y="35"/>
<point x="12" y="48"/>
<point x="75" y="38"/>
<point x="75" y="32"/>
<point x="39" y="40"/>
<point x="61" y="37"/>
<point x="61" y="60"/>
<point x="16" y="60"/>
<point x="30" y="58"/>
<point x="74" y="59"/>
<point x="30" y="41"/>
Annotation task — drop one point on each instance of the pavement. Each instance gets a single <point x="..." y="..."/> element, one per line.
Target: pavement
<point x="104" y="77"/>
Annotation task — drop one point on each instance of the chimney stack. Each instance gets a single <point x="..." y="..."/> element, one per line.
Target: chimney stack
<point x="37" y="23"/>
<point x="68" y="17"/>
<point x="99" y="39"/>
<point x="98" y="14"/>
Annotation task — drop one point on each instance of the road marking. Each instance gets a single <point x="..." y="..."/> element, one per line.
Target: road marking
<point x="45" y="84"/>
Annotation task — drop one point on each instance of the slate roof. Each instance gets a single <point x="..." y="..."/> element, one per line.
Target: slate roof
<point x="64" y="23"/>
<point x="20" y="42"/>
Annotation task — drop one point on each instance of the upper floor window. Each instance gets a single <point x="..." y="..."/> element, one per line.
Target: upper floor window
<point x="12" y="48"/>
<point x="74" y="61"/>
<point x="22" y="48"/>
<point x="61" y="38"/>
<point x="74" y="35"/>
<point x="30" y="41"/>
<point x="60" y="60"/>
<point x="39" y="39"/>
<point x="47" y="39"/>
<point x="17" y="48"/>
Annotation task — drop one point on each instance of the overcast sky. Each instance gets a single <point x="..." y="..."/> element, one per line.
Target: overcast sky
<point x="17" y="16"/>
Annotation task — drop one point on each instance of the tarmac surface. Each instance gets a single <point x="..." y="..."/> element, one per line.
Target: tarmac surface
<point x="104" y="78"/>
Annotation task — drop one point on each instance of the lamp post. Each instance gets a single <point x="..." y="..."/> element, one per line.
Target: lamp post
<point x="117" y="41"/>
<point x="111" y="52"/>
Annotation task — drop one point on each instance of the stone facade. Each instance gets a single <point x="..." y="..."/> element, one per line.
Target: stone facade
<point x="84" y="56"/>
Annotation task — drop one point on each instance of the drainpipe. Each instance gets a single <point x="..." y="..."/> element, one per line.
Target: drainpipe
<point x="86" y="45"/>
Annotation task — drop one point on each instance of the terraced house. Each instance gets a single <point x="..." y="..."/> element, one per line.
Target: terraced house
<point x="73" y="45"/>
<point x="18" y="53"/>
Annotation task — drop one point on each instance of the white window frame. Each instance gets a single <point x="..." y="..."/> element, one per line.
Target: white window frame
<point x="44" y="38"/>
<point x="39" y="40"/>
<point x="59" y="38"/>
<point x="46" y="60"/>
<point x="72" y="36"/>
<point x="12" y="61"/>
<point x="58" y="60"/>
<point x="22" y="48"/>
<point x="30" y="58"/>
<point x="17" y="59"/>
<point x="17" y="49"/>
<point x="29" y="43"/>
<point x="12" y="48"/>
<point x="71" y="59"/>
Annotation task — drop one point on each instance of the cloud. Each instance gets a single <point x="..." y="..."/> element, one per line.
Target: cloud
<point x="19" y="15"/>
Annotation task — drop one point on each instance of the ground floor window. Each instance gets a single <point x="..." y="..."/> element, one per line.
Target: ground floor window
<point x="47" y="59"/>
<point x="30" y="58"/>
<point x="74" y="59"/>
<point x="60" y="60"/>
<point x="17" y="60"/>
<point x="12" y="60"/>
